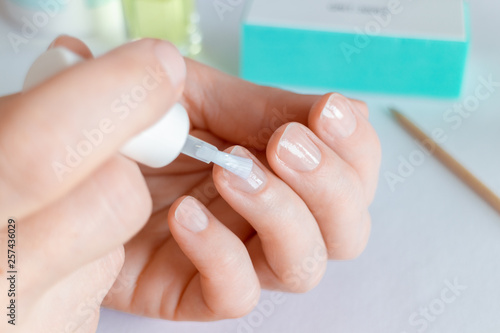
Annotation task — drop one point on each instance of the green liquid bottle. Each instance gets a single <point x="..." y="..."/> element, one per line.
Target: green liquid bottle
<point x="173" y="20"/>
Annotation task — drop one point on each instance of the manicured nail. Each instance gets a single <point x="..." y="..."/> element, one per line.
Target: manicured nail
<point x="171" y="61"/>
<point x="297" y="150"/>
<point x="191" y="216"/>
<point x="53" y="44"/>
<point x="338" y="116"/>
<point x="252" y="184"/>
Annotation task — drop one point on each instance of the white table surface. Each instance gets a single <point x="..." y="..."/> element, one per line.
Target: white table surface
<point x="430" y="230"/>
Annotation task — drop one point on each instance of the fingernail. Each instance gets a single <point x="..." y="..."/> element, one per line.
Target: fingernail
<point x="253" y="184"/>
<point x="297" y="150"/>
<point x="55" y="41"/>
<point x="171" y="61"/>
<point x="191" y="216"/>
<point x="338" y="116"/>
<point x="52" y="44"/>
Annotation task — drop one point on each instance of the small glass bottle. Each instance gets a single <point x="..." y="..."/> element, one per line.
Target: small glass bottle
<point x="173" y="20"/>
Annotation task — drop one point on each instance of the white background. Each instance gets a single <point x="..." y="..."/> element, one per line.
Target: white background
<point x="430" y="230"/>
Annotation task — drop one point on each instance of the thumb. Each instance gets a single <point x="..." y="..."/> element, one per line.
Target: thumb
<point x="58" y="133"/>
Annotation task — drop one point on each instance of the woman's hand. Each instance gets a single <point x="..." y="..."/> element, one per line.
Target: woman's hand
<point x="316" y="168"/>
<point x="74" y="199"/>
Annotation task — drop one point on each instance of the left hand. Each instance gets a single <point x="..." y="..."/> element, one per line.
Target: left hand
<point x="307" y="201"/>
<point x="276" y="235"/>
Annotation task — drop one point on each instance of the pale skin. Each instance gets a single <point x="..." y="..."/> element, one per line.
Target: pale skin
<point x="135" y="234"/>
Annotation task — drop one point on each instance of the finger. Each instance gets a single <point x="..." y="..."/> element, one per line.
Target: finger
<point x="58" y="133"/>
<point x="73" y="44"/>
<point x="329" y="186"/>
<point x="215" y="99"/>
<point x="338" y="123"/>
<point x="226" y="286"/>
<point x="288" y="233"/>
<point x="103" y="213"/>
<point x="82" y="292"/>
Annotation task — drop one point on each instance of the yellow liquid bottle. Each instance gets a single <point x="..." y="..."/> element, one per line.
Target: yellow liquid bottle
<point x="173" y="20"/>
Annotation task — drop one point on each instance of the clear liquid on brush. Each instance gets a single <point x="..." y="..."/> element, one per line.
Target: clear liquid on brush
<point x="205" y="152"/>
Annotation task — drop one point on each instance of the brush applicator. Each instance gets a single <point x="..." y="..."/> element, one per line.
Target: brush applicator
<point x="160" y="144"/>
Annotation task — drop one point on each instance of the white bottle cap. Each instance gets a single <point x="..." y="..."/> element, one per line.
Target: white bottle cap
<point x="161" y="143"/>
<point x="156" y="146"/>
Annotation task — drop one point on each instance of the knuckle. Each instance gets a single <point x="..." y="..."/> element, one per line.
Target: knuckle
<point x="306" y="275"/>
<point x="351" y="246"/>
<point x="113" y="263"/>
<point x="107" y="270"/>
<point x="346" y="188"/>
<point x="344" y="252"/>
<point x="240" y="303"/>
<point x="125" y="195"/>
<point x="371" y="147"/>
<point x="365" y="234"/>
<point x="233" y="259"/>
<point x="304" y="285"/>
<point x="244" y="306"/>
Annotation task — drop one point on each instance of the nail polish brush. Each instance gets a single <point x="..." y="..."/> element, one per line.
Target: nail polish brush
<point x="160" y="144"/>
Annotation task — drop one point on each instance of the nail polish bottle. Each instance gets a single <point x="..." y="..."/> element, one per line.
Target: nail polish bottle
<point x="174" y="20"/>
<point x="161" y="143"/>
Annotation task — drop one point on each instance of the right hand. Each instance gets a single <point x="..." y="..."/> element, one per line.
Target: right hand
<point x="70" y="230"/>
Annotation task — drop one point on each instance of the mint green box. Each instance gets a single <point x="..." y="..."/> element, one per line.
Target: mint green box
<point x="394" y="47"/>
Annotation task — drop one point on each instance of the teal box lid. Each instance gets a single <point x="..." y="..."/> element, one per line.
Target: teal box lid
<point x="396" y="47"/>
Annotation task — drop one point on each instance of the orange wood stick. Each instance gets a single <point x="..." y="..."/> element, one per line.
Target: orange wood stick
<point x="447" y="160"/>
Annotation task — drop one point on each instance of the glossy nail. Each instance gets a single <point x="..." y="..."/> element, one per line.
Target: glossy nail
<point x="56" y="40"/>
<point x="338" y="116"/>
<point x="191" y="216"/>
<point x="171" y="61"/>
<point x="297" y="151"/>
<point x="252" y="184"/>
<point x="52" y="44"/>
